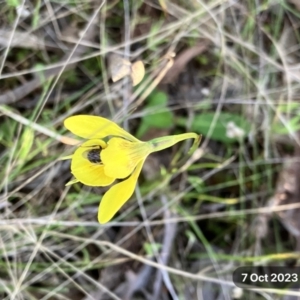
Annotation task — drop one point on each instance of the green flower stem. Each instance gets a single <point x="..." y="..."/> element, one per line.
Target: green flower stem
<point x="164" y="142"/>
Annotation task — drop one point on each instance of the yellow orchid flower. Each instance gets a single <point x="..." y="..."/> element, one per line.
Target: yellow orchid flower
<point x="110" y="153"/>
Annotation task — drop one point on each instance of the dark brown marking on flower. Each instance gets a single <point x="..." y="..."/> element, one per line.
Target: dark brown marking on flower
<point x="94" y="156"/>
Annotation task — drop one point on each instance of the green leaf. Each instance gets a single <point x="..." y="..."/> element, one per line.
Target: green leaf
<point x="154" y="39"/>
<point x="221" y="130"/>
<point x="292" y="126"/>
<point x="27" y="140"/>
<point x="13" y="3"/>
<point x="196" y="182"/>
<point x="159" y="120"/>
<point x="157" y="98"/>
<point x="162" y="119"/>
<point x="288" y="107"/>
<point x="152" y="249"/>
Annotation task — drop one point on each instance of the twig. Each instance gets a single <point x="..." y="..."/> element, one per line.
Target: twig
<point x="138" y="281"/>
<point x="169" y="234"/>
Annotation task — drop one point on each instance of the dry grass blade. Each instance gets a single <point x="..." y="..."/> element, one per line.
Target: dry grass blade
<point x="23" y="40"/>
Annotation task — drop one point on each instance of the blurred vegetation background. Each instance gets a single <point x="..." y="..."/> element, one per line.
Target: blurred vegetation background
<point x="192" y="220"/>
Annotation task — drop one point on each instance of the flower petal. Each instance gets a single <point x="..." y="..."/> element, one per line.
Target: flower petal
<point x="117" y="195"/>
<point x="89" y="127"/>
<point x="84" y="170"/>
<point x="120" y="157"/>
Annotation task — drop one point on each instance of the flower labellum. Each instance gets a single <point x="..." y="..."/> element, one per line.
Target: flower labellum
<point x="110" y="153"/>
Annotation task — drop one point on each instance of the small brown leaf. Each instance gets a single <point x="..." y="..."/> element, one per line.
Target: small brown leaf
<point x="137" y="72"/>
<point x="120" y="67"/>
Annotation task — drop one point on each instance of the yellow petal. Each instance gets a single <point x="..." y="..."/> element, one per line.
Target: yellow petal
<point x="94" y="127"/>
<point x="117" y="195"/>
<point x="120" y="157"/>
<point x="84" y="170"/>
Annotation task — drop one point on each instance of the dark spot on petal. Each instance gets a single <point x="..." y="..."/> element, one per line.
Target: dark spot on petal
<point x="94" y="156"/>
